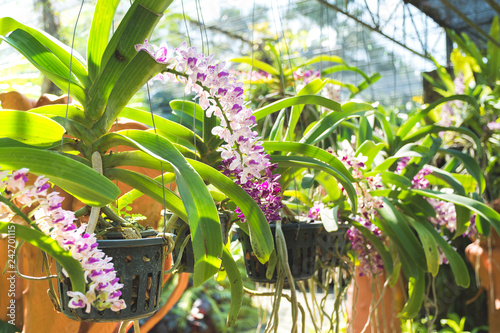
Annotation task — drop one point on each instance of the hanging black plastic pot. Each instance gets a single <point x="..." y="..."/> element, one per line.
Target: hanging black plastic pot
<point x="331" y="245"/>
<point x="301" y="243"/>
<point x="181" y="230"/>
<point x="139" y="265"/>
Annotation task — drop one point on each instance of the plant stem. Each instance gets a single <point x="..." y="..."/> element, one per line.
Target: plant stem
<point x="95" y="211"/>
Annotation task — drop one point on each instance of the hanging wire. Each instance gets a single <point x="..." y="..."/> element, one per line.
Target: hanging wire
<point x="185" y="22"/>
<point x="283" y="82"/>
<point x="69" y="75"/>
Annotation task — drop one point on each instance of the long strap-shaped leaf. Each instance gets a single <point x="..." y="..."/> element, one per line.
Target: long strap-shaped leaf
<point x="109" y="103"/>
<point x="307" y="162"/>
<point x="327" y="125"/>
<point x="74" y="113"/>
<point x="413" y="120"/>
<point x="487" y="213"/>
<point x="202" y="213"/>
<point x="310" y="151"/>
<point x="305" y="99"/>
<point x="136" y="26"/>
<point x="61" y="51"/>
<point x="79" y="180"/>
<point x="52" y="248"/>
<point x="151" y="188"/>
<point x="312" y="88"/>
<point x="257" y="64"/>
<point x="166" y="128"/>
<point x="46" y="62"/>
<point x="29" y="128"/>
<point x="470" y="164"/>
<point x="99" y="34"/>
<point x="456" y="262"/>
<point x="422" y="132"/>
<point x="259" y="231"/>
<point x="399" y="232"/>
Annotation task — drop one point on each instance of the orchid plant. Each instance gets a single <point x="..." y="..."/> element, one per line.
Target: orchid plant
<point x="475" y="75"/>
<point x="102" y="85"/>
<point x="101" y="283"/>
<point x="71" y="144"/>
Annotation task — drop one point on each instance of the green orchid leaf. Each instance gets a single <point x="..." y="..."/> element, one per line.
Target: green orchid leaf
<point x="167" y="128"/>
<point x="466" y="181"/>
<point x="72" y="112"/>
<point x="488" y="213"/>
<point x="202" y="214"/>
<point x="58" y="49"/>
<point x="190" y="108"/>
<point x="370" y="150"/>
<point x="236" y="285"/>
<point x="366" y="83"/>
<point x="133" y="194"/>
<point x="329" y="123"/>
<point x="430" y="129"/>
<point x="312" y="88"/>
<point x="118" y="70"/>
<point x="138" y="72"/>
<point x="390" y="178"/>
<point x="257" y="64"/>
<point x="330" y="184"/>
<point x="259" y="231"/>
<point x="428" y="244"/>
<point x="46" y="62"/>
<point x="379" y="246"/>
<point x="308" y="162"/>
<point x="322" y="58"/>
<point x="395" y="226"/>
<point x="29" y="128"/>
<point x="299" y="195"/>
<point x="409" y="150"/>
<point x="86" y="184"/>
<point x="416" y="292"/>
<point x="365" y="131"/>
<point x="310" y="151"/>
<point x="462" y="213"/>
<point x="470" y="164"/>
<point x="388" y="131"/>
<point x="343" y="68"/>
<point x="412" y="121"/>
<point x="457" y="264"/>
<point x="277" y="129"/>
<point x="151" y="188"/>
<point x="493" y="51"/>
<point x="99" y="34"/>
<point x="52" y="248"/>
<point x="296" y="100"/>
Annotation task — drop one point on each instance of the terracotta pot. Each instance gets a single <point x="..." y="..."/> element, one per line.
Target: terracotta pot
<point x="484" y="255"/>
<point x="360" y="299"/>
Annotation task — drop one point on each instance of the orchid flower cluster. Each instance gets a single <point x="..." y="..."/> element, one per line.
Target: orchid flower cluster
<point x="370" y="260"/>
<point x="220" y="93"/>
<point x="266" y="192"/>
<point x="103" y="289"/>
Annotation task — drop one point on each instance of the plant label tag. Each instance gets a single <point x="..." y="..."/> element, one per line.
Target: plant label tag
<point x="329" y="218"/>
